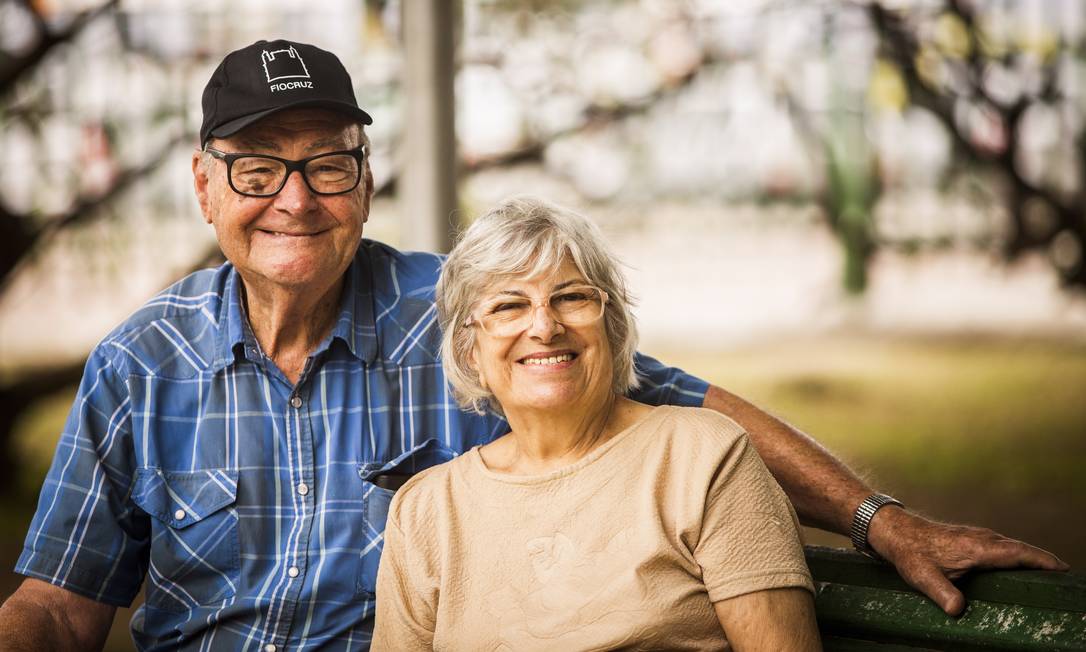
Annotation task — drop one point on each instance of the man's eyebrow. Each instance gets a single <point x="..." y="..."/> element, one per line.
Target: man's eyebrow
<point x="334" y="141"/>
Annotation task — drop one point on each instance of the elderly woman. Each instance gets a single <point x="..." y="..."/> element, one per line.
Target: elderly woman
<point x="597" y="522"/>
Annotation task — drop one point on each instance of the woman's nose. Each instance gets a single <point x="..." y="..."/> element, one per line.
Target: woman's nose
<point x="544" y="326"/>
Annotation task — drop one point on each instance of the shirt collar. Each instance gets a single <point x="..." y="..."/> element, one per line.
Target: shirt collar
<point x="354" y="326"/>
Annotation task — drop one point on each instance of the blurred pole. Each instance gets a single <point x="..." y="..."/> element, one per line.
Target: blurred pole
<point x="427" y="186"/>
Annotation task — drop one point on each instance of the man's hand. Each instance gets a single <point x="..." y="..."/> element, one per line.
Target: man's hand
<point x="40" y="617"/>
<point x="928" y="554"/>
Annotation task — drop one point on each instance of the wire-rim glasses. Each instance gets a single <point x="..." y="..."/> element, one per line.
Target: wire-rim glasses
<point x="506" y="315"/>
<point x="263" y="175"/>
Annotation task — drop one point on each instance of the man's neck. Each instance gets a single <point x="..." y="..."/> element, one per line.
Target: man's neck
<point x="289" y="323"/>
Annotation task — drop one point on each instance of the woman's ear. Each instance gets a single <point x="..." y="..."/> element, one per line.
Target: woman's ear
<point x="473" y="362"/>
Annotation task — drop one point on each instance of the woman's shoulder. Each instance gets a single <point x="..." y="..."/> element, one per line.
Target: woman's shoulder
<point x="694" y="437"/>
<point x="702" y="424"/>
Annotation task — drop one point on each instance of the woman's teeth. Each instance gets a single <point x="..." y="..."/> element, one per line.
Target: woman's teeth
<point x="554" y="359"/>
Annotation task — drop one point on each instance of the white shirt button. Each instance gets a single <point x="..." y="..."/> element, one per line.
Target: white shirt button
<point x="270" y="647"/>
<point x="292" y="571"/>
<point x="179" y="515"/>
<point x="303" y="488"/>
<point x="296" y="401"/>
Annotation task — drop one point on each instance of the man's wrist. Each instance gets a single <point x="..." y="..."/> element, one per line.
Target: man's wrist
<point x="862" y="519"/>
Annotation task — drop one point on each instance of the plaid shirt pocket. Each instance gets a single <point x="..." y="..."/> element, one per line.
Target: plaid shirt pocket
<point x="195" y="558"/>
<point x="376" y="499"/>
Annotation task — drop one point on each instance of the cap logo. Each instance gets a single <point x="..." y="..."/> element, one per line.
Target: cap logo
<point x="285" y="64"/>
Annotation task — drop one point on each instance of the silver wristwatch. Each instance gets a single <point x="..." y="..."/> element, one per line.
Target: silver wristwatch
<point x="861" y="521"/>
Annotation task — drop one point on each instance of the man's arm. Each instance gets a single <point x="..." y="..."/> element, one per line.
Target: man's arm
<point x="40" y="617"/>
<point x="826" y="493"/>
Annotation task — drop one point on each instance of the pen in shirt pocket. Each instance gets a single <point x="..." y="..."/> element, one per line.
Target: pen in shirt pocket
<point x="391" y="481"/>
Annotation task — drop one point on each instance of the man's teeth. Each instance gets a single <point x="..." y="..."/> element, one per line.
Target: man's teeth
<point x="554" y="359"/>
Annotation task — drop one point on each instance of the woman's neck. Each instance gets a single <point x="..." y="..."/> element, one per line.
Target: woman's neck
<point x="545" y="440"/>
<point x="290" y="324"/>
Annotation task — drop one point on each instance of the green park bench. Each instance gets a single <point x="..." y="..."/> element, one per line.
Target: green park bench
<point x="862" y="604"/>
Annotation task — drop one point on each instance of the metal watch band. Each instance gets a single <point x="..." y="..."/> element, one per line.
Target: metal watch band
<point x="861" y="521"/>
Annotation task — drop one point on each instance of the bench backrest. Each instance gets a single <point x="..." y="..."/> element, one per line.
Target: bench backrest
<point x="862" y="604"/>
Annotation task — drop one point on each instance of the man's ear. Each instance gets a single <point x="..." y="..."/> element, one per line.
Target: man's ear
<point x="367" y="196"/>
<point x="199" y="184"/>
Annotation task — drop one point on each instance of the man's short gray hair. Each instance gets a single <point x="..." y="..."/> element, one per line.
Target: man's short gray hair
<point x="526" y="237"/>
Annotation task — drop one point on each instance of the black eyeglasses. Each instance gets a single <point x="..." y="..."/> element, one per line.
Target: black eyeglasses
<point x="261" y="175"/>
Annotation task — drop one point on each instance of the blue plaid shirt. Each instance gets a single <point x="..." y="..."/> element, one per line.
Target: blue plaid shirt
<point x="246" y="501"/>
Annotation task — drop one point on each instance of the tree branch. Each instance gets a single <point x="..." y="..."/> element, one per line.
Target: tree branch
<point x="11" y="74"/>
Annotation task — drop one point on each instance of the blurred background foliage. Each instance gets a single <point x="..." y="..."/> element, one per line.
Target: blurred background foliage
<point x="866" y="216"/>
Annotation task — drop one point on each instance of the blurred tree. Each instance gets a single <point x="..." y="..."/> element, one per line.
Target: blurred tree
<point x="991" y="80"/>
<point x="34" y="36"/>
<point x="999" y="85"/>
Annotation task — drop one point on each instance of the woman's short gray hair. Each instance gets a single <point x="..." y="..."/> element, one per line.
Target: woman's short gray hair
<point x="526" y="237"/>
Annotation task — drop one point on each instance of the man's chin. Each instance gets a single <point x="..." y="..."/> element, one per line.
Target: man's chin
<point x="300" y="276"/>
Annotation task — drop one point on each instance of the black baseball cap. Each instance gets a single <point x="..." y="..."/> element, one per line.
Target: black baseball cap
<point x="269" y="76"/>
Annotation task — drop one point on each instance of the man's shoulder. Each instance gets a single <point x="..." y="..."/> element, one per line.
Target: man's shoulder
<point x="185" y="317"/>
<point x="403" y="300"/>
<point x="405" y="273"/>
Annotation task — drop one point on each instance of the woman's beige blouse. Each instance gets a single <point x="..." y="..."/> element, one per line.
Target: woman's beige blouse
<point x="630" y="546"/>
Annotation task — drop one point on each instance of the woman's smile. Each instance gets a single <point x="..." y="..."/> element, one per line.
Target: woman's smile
<point x="549" y="360"/>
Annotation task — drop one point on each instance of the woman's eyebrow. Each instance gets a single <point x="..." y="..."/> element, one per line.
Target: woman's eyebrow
<point x="521" y="293"/>
<point x="566" y="284"/>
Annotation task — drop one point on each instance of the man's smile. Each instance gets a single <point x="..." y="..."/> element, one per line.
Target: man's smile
<point x="290" y="234"/>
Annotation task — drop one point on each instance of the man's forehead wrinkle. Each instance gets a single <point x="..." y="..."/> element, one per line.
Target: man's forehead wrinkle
<point x="312" y="133"/>
<point x="251" y="142"/>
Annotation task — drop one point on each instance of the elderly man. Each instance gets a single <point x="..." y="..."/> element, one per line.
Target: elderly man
<point x="237" y="440"/>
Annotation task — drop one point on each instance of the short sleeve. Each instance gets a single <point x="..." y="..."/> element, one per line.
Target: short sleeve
<point x="407" y="592"/>
<point x="663" y="385"/>
<point x="85" y="535"/>
<point x="749" y="538"/>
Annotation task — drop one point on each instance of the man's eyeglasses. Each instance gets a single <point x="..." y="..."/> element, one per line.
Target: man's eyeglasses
<point x="509" y="315"/>
<point x="261" y="175"/>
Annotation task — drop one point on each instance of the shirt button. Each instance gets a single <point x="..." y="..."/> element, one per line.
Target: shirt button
<point x="179" y="515"/>
<point x="269" y="647"/>
<point x="296" y="401"/>
<point x="303" y="488"/>
<point x="292" y="571"/>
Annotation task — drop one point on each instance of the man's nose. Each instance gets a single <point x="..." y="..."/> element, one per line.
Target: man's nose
<point x="295" y="196"/>
<point x="544" y="326"/>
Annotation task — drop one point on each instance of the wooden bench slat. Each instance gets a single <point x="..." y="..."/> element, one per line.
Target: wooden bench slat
<point x="1044" y="589"/>
<point x="909" y="618"/>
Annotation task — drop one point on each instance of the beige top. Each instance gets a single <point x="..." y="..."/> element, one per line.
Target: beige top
<point x="628" y="547"/>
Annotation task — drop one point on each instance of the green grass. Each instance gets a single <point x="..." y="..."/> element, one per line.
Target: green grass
<point x="936" y="413"/>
